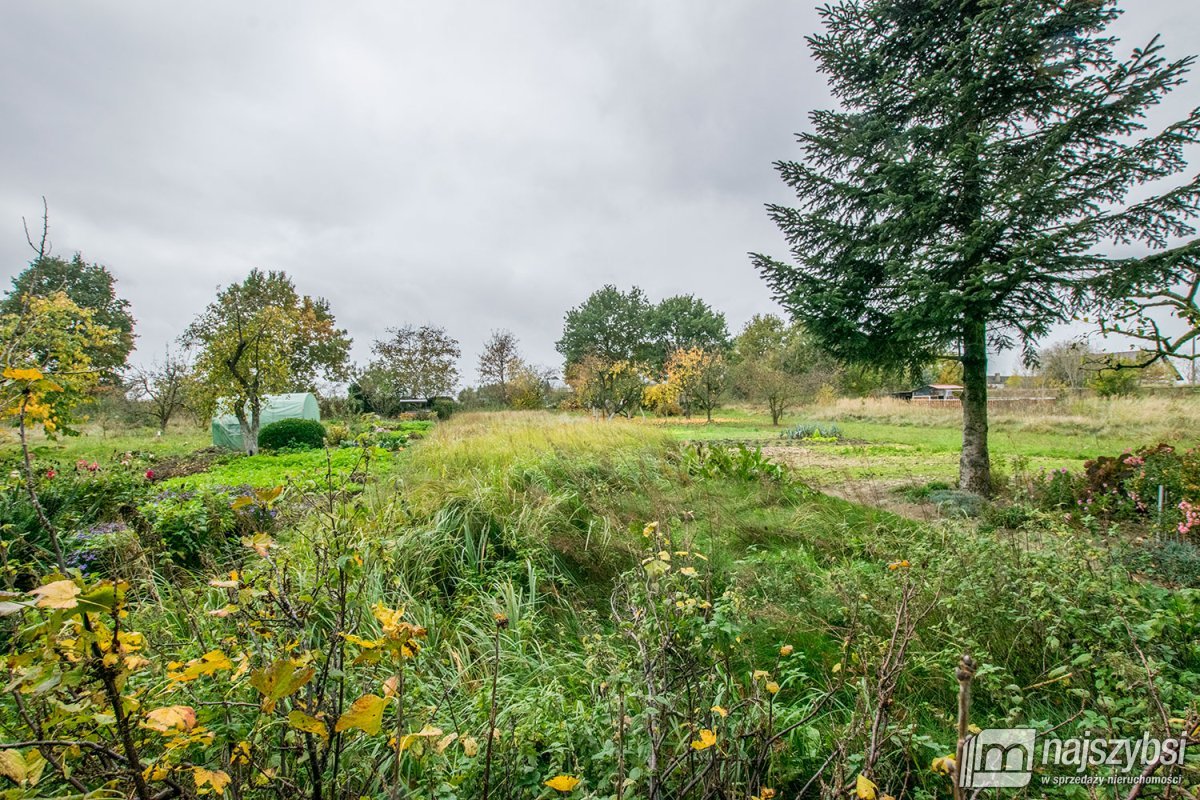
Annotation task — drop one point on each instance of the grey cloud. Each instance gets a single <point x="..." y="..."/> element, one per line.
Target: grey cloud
<point x="476" y="165"/>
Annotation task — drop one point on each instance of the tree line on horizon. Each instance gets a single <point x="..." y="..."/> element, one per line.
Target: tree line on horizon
<point x="261" y="336"/>
<point x="622" y="355"/>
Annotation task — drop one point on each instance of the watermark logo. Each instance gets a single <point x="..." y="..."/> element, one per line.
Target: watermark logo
<point x="998" y="758"/>
<point x="1006" y="758"/>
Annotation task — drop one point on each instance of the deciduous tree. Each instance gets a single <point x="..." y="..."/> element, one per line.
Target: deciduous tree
<point x="529" y="386"/>
<point x="90" y="287"/>
<point x="608" y="387"/>
<point x="260" y="337"/>
<point x="611" y="325"/>
<point x="162" y="385"/>
<point x="779" y="364"/>
<point x="46" y="371"/>
<point x="684" y="322"/>
<point x="1065" y="364"/>
<point x="411" y="362"/>
<point x="605" y="344"/>
<point x="498" y="363"/>
<point x="969" y="191"/>
<point x="697" y="378"/>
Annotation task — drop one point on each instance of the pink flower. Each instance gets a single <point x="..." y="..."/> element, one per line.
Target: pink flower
<point x="50" y="473"/>
<point x="149" y="474"/>
<point x="1191" y="517"/>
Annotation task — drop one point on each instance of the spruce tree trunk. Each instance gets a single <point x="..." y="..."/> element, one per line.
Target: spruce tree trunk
<point x="975" y="470"/>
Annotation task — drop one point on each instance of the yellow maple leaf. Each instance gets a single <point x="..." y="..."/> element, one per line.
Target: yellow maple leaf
<point x="12" y="763"/>
<point x="240" y="754"/>
<point x="470" y="746"/>
<point x="303" y="722"/>
<point x="217" y="779"/>
<point x="133" y="663"/>
<point x="208" y="664"/>
<point x="231" y="583"/>
<point x="707" y="739"/>
<point x="281" y="679"/>
<point x="260" y="543"/>
<point x="427" y="732"/>
<point x="943" y="765"/>
<point x="864" y="788"/>
<point x="369" y="644"/>
<point x="365" y="713"/>
<point x="563" y="783"/>
<point x="269" y="495"/>
<point x="389" y="618"/>
<point x="170" y="718"/>
<point x="155" y="772"/>
<point x="57" y="594"/>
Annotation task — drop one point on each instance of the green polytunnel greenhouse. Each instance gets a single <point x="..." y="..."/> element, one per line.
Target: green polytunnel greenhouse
<point x="299" y="405"/>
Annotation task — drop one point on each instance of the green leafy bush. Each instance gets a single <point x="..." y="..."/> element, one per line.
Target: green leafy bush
<point x="292" y="434"/>
<point x="1126" y="487"/>
<point x="74" y="500"/>
<point x="193" y="526"/>
<point x="336" y="433"/>
<point x="740" y="463"/>
<point x="202" y="527"/>
<point x="444" y="408"/>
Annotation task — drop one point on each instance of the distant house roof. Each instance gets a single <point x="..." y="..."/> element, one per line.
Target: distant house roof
<point x="421" y="401"/>
<point x="944" y="391"/>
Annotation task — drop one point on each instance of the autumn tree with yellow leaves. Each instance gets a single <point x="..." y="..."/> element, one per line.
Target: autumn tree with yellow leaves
<point x="697" y="379"/>
<point x="46" y="371"/>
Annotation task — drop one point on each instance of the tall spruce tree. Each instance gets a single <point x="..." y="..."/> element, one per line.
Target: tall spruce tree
<point x="974" y="181"/>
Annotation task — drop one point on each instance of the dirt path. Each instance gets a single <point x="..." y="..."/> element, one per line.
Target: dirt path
<point x="850" y="477"/>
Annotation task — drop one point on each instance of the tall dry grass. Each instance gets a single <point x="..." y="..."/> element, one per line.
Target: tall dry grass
<point x="1150" y="417"/>
<point x="483" y="442"/>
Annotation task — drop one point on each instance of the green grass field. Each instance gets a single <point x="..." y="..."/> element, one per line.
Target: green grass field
<point x="894" y="441"/>
<point x="633" y="600"/>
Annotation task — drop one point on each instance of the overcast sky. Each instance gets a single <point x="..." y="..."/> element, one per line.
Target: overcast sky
<point x="474" y="165"/>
